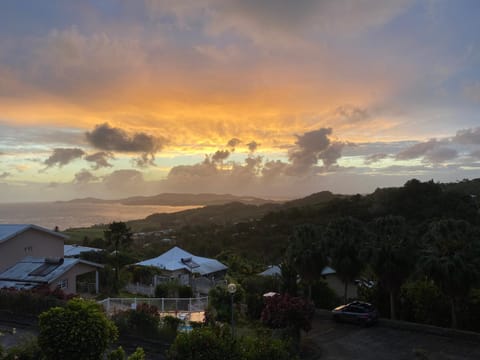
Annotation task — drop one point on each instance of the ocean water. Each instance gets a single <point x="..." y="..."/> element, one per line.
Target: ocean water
<point x="69" y="215"/>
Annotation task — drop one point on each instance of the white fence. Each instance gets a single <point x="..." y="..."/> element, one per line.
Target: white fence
<point x="166" y="306"/>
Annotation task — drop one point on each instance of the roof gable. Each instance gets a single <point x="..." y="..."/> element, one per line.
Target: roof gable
<point x="178" y="259"/>
<point x="9" y="231"/>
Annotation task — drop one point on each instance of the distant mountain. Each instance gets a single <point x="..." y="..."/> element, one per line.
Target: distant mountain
<point x="173" y="199"/>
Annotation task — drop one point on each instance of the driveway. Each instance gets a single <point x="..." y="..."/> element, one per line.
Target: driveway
<point x="329" y="340"/>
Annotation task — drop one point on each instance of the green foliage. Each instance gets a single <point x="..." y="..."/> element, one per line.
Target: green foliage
<point x="323" y="296"/>
<point x="255" y="287"/>
<point x="30" y="302"/>
<point x="118" y="235"/>
<point x="204" y="344"/>
<point x="80" y="331"/>
<point x="220" y="300"/>
<point x="144" y="321"/>
<point x="119" y="354"/>
<point x="208" y="343"/>
<point x="173" y="289"/>
<point x="27" y="350"/>
<point x="423" y="302"/>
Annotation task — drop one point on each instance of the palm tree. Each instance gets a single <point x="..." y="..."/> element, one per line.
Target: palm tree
<point x="391" y="254"/>
<point x="306" y="254"/>
<point x="344" y="238"/>
<point x="451" y="258"/>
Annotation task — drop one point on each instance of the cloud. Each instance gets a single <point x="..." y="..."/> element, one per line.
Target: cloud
<point x="100" y="159"/>
<point x="220" y="155"/>
<point x="475" y="154"/>
<point x="417" y="150"/>
<point x="311" y="147"/>
<point x="370" y="159"/>
<point x="108" y="138"/>
<point x="472" y="91"/>
<point x="84" y="177"/>
<point x="62" y="156"/>
<point x="440" y="155"/>
<point x="468" y="136"/>
<point x="232" y="143"/>
<point x="123" y="180"/>
<point x="204" y="169"/>
<point x="352" y="113"/>
<point x="4" y="175"/>
<point x="252" y="146"/>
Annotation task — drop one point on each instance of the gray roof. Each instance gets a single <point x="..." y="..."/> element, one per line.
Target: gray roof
<point x="76" y="250"/>
<point x="8" y="231"/>
<point x="177" y="259"/>
<point x="274" y="270"/>
<point x="27" y="270"/>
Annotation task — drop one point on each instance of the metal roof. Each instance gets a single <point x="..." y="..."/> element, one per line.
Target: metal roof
<point x="177" y="259"/>
<point x="8" y="231"/>
<point x="274" y="270"/>
<point x="75" y="250"/>
<point x="39" y="270"/>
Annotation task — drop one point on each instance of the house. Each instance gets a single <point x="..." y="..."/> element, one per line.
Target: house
<point x="328" y="274"/>
<point x="20" y="240"/>
<point x="61" y="273"/>
<point x="178" y="264"/>
<point x="75" y="250"/>
<point x="32" y="256"/>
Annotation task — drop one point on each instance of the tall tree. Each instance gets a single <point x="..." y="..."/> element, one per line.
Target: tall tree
<point x="451" y="258"/>
<point x="391" y="254"/>
<point x="118" y="235"/>
<point x="306" y="254"/>
<point x="344" y="238"/>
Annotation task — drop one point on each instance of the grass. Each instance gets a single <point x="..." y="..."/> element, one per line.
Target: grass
<point x="76" y="235"/>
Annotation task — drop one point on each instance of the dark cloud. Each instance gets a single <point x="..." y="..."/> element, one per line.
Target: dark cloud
<point x="475" y="154"/>
<point x="145" y="160"/>
<point x="252" y="146"/>
<point x="84" y="177"/>
<point x="311" y="147"/>
<point x="62" y="156"/>
<point x="100" y="159"/>
<point x="273" y="169"/>
<point x="105" y="137"/>
<point x="203" y="169"/>
<point x="4" y="175"/>
<point x="370" y="159"/>
<point x="468" y="136"/>
<point x="233" y="143"/>
<point x="352" y="113"/>
<point x="440" y="155"/>
<point x="220" y="155"/>
<point x="124" y="179"/>
<point x="417" y="150"/>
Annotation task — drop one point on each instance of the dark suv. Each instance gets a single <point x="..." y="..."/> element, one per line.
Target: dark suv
<point x="356" y="312"/>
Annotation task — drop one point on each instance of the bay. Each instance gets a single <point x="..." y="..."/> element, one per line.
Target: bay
<point x="71" y="215"/>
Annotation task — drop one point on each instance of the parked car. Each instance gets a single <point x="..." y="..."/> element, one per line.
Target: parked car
<point x="357" y="312"/>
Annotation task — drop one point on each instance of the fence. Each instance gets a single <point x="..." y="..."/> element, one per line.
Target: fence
<point x="190" y="308"/>
<point x="138" y="288"/>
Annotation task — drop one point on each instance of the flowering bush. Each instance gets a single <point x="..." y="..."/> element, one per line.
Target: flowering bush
<point x="286" y="311"/>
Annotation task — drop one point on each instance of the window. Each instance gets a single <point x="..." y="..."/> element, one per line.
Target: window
<point x="63" y="284"/>
<point x="28" y="249"/>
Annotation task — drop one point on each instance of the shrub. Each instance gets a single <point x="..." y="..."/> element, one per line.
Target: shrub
<point x="220" y="300"/>
<point x="79" y="331"/>
<point x="285" y="311"/>
<point x="143" y="321"/>
<point x="27" y="350"/>
<point x="31" y="302"/>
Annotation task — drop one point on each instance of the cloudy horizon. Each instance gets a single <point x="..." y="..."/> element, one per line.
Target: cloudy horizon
<point x="271" y="98"/>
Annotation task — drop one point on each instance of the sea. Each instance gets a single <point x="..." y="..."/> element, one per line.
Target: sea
<point x="67" y="215"/>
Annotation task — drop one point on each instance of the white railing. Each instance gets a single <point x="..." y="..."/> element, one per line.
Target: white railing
<point x="165" y="306"/>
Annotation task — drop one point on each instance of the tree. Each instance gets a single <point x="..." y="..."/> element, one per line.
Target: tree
<point x="391" y="254"/>
<point x="118" y="235"/>
<point x="306" y="254"/>
<point x="78" y="331"/>
<point x="344" y="238"/>
<point x="451" y="258"/>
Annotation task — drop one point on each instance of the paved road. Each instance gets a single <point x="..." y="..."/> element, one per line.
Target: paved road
<point x="329" y="340"/>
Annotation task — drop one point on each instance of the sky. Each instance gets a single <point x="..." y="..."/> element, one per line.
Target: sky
<point x="270" y="98"/>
